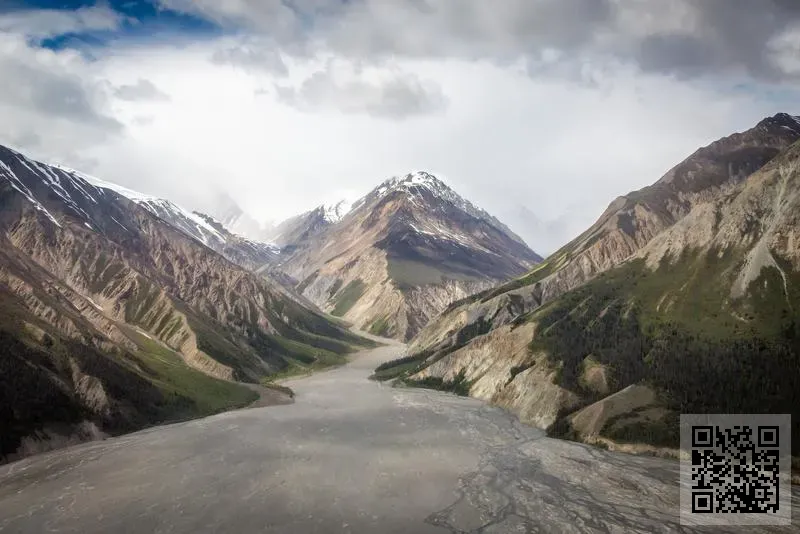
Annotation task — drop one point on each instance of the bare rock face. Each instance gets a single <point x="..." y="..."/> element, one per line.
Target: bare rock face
<point x="400" y="255"/>
<point x="117" y="309"/>
<point x="629" y="223"/>
<point x="501" y="370"/>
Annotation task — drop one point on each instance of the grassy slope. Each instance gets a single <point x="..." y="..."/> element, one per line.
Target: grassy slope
<point x="347" y="297"/>
<point x="149" y="386"/>
<point x="676" y="330"/>
<point x="175" y="379"/>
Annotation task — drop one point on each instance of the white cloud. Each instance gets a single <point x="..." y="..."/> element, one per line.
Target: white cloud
<point x="43" y="23"/>
<point x="352" y="89"/>
<point x="140" y="90"/>
<point x="558" y="133"/>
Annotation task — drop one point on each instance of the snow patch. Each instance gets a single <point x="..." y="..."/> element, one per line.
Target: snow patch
<point x="413" y="182"/>
<point x="334" y="213"/>
<point x="17" y="184"/>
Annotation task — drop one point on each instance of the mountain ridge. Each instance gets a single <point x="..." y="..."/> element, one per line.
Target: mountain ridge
<point x="123" y="320"/>
<point x="400" y="254"/>
<point x="629" y="222"/>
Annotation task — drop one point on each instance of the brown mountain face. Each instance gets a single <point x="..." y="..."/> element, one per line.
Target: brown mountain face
<point x="114" y="319"/>
<point x="401" y="255"/>
<point x="703" y="318"/>
<point x="627" y="225"/>
<point x="300" y="230"/>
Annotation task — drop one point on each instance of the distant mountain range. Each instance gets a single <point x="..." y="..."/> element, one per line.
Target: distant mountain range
<point x="684" y="297"/>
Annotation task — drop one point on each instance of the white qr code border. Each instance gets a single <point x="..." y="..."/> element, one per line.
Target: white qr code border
<point x="712" y="490"/>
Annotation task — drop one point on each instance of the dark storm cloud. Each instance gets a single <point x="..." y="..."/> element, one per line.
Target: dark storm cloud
<point x="728" y="34"/>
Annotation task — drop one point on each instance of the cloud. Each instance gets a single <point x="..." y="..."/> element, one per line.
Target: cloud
<point x="688" y="38"/>
<point x="139" y="91"/>
<point x="376" y="92"/>
<point x="506" y="138"/>
<point x="555" y="105"/>
<point x="51" y="102"/>
<point x="50" y="83"/>
<point x="252" y="55"/>
<point x="43" y="23"/>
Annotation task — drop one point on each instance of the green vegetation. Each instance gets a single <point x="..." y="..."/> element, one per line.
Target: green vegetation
<point x="307" y="282"/>
<point x="675" y="329"/>
<point x="299" y="353"/>
<point x="149" y="386"/>
<point x="408" y="365"/>
<point x="664" y="432"/>
<point x="399" y="367"/>
<point x="538" y="273"/>
<point x="409" y="274"/>
<point x="460" y="385"/>
<point x="335" y="287"/>
<point x="380" y="327"/>
<point x="347" y="298"/>
<point x="166" y="369"/>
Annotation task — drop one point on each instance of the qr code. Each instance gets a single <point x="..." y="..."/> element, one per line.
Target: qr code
<point x="735" y="465"/>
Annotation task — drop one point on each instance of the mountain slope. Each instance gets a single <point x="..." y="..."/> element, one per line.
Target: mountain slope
<point x="626" y="226"/>
<point x="297" y="231"/>
<point x="705" y="318"/>
<point x="205" y="229"/>
<point x="401" y="254"/>
<point x="117" y="317"/>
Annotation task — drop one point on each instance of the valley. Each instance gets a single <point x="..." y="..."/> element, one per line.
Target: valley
<point x="399" y="266"/>
<point x="349" y="455"/>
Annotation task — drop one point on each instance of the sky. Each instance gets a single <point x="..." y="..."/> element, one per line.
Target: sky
<point x="540" y="111"/>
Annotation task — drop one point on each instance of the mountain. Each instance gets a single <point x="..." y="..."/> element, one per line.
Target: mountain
<point x="399" y="255"/>
<point x="701" y="315"/>
<point x="626" y="226"/>
<point x="297" y="231"/>
<point x="204" y="228"/>
<point x="112" y="318"/>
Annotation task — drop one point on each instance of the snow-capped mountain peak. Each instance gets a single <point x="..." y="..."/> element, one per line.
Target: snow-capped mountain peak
<point x="334" y="213"/>
<point x="413" y="180"/>
<point x="413" y="183"/>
